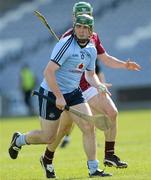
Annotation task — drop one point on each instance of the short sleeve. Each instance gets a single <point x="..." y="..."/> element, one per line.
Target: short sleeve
<point x="61" y="51"/>
<point x="98" y="44"/>
<point x="91" y="65"/>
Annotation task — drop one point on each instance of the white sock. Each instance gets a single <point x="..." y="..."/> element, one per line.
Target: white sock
<point x="92" y="166"/>
<point x="20" y="141"/>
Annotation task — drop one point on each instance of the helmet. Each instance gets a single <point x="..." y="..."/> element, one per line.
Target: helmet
<point x="82" y="8"/>
<point x="85" y="20"/>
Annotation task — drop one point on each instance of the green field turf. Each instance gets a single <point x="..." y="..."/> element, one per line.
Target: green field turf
<point x="133" y="145"/>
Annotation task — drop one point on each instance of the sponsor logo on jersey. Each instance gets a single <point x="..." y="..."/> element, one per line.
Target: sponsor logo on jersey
<point x="78" y="69"/>
<point x="75" y="55"/>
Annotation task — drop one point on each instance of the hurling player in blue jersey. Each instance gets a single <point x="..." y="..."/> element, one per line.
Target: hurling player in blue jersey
<point x="71" y="56"/>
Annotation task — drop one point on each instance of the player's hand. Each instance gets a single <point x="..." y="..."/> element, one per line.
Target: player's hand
<point x="131" y="65"/>
<point x="103" y="89"/>
<point x="60" y="103"/>
<point x="108" y="85"/>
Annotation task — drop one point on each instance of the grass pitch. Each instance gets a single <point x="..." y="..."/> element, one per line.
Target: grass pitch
<point x="133" y="145"/>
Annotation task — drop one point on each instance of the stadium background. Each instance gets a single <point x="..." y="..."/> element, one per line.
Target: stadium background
<point x="124" y="27"/>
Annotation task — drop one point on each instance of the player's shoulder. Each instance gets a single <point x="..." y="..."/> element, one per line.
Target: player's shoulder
<point x="91" y="46"/>
<point x="95" y="38"/>
<point x="67" y="33"/>
<point x="95" y="35"/>
<point x="66" y="39"/>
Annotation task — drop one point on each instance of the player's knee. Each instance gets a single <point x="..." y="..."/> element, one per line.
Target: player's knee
<point x="88" y="129"/>
<point x="113" y="114"/>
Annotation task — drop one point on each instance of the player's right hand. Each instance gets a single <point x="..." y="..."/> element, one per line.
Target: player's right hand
<point x="60" y="103"/>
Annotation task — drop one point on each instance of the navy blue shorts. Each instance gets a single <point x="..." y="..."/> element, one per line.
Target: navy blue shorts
<point x="49" y="111"/>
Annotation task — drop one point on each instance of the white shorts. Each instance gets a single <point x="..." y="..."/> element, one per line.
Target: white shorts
<point x="89" y="93"/>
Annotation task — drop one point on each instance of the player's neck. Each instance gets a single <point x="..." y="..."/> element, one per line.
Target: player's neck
<point x="82" y="42"/>
<point x="82" y="45"/>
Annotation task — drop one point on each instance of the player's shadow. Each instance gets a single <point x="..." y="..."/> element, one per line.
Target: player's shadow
<point x="73" y="178"/>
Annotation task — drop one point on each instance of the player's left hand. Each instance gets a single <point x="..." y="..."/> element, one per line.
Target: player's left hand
<point x="103" y="89"/>
<point x="131" y="65"/>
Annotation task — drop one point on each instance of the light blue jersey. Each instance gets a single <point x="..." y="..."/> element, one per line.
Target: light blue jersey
<point x="73" y="61"/>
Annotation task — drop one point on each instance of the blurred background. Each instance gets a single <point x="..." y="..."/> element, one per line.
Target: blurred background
<point x="124" y="27"/>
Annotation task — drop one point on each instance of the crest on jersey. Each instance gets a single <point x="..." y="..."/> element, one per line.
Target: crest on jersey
<point x="51" y="115"/>
<point x="80" y="66"/>
<point x="82" y="54"/>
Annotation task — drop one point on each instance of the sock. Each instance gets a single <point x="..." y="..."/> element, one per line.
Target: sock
<point x="66" y="138"/>
<point x="109" y="148"/>
<point x="48" y="156"/>
<point x="92" y="165"/>
<point x="20" y="141"/>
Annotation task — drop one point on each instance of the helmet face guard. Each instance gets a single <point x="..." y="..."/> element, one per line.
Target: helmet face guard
<point x="82" y="8"/>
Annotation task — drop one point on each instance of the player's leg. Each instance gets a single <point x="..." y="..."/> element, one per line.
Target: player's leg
<point x="47" y="133"/>
<point x="75" y="98"/>
<point x="106" y="105"/>
<point x="46" y="159"/>
<point x="66" y="124"/>
<point x="66" y="140"/>
<point x="89" y="140"/>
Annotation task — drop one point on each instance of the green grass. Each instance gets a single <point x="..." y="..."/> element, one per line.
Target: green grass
<point x="133" y="145"/>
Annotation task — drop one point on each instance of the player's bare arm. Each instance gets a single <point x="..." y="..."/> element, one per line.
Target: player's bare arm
<point x="113" y="62"/>
<point x="93" y="80"/>
<point x="49" y="74"/>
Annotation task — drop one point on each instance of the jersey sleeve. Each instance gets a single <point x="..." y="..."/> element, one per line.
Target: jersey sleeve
<point x="67" y="33"/>
<point x="91" y="65"/>
<point x="99" y="46"/>
<point x="61" y="51"/>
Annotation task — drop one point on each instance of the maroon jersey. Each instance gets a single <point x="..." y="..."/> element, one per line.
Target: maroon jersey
<point x="84" y="85"/>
